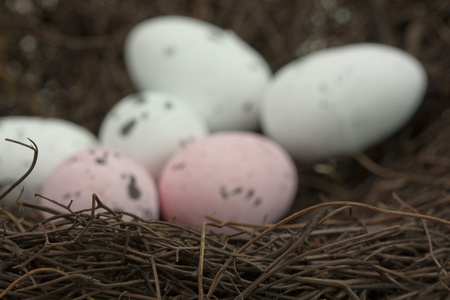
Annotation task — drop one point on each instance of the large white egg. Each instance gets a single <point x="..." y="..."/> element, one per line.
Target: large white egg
<point x="233" y="176"/>
<point x="56" y="139"/>
<point x="342" y="100"/>
<point x="150" y="126"/>
<point x="214" y="70"/>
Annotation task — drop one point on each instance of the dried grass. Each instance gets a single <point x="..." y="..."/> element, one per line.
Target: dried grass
<point x="380" y="225"/>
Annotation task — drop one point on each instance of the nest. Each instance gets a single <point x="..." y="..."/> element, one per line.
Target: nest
<point x="371" y="226"/>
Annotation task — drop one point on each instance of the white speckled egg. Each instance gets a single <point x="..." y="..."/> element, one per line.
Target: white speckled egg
<point x="120" y="182"/>
<point x="56" y="139"/>
<point x="342" y="100"/>
<point x="215" y="71"/>
<point x="233" y="176"/>
<point x="150" y="126"/>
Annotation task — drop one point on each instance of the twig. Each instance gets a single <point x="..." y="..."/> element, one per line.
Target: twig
<point x="30" y="169"/>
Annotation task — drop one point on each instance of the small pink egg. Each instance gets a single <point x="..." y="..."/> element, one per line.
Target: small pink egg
<point x="233" y="176"/>
<point x="121" y="183"/>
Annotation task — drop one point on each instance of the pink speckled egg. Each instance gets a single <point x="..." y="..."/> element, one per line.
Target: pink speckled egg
<point x="120" y="182"/>
<point x="233" y="176"/>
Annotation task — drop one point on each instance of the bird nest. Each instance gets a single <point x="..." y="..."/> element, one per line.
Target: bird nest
<point x="374" y="225"/>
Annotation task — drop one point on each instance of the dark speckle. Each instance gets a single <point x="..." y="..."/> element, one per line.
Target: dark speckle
<point x="102" y="160"/>
<point x="186" y="141"/>
<point x="236" y="191"/>
<point x="223" y="192"/>
<point x="340" y="78"/>
<point x="323" y="87"/>
<point x="148" y="214"/>
<point x="247" y="107"/>
<point x="179" y="166"/>
<point x="139" y="98"/>
<point x="118" y="208"/>
<point x="73" y="159"/>
<point x="257" y="202"/>
<point x="264" y="220"/>
<point x="67" y="196"/>
<point x="126" y="129"/>
<point x="250" y="193"/>
<point x="133" y="190"/>
<point x="144" y="115"/>
<point x="168" y="105"/>
<point x="216" y="35"/>
<point x="169" y="51"/>
<point x="77" y="193"/>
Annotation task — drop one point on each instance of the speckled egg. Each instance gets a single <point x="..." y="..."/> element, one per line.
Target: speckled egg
<point x="56" y="139"/>
<point x="214" y="70"/>
<point x="233" y="176"/>
<point x="150" y="126"/>
<point x="342" y="100"/>
<point x="120" y="182"/>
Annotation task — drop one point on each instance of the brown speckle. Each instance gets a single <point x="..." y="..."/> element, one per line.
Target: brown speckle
<point x="250" y="193"/>
<point x="223" y="193"/>
<point x="168" y="105"/>
<point x="178" y="166"/>
<point x="247" y="107"/>
<point x="133" y="190"/>
<point x="127" y="127"/>
<point x="169" y="51"/>
<point x="257" y="202"/>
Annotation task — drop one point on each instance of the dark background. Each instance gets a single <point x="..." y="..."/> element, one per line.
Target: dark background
<point x="65" y="59"/>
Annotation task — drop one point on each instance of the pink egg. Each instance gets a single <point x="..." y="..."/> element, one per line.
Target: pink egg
<point x="120" y="182"/>
<point x="233" y="176"/>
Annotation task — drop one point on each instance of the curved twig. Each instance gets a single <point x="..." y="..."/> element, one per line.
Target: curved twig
<point x="30" y="169"/>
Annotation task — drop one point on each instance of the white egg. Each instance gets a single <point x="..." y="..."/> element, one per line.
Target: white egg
<point x="215" y="71"/>
<point x="56" y="139"/>
<point x="150" y="126"/>
<point x="342" y="100"/>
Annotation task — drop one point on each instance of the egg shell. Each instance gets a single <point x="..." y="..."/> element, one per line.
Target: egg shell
<point x="119" y="181"/>
<point x="342" y="100"/>
<point x="56" y="139"/>
<point x="233" y="176"/>
<point x="150" y="126"/>
<point x="215" y="71"/>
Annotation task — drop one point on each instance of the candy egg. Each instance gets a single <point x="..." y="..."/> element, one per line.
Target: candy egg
<point x="342" y="100"/>
<point x="121" y="183"/>
<point x="56" y="139"/>
<point x="233" y="176"/>
<point x="150" y="126"/>
<point x="215" y="71"/>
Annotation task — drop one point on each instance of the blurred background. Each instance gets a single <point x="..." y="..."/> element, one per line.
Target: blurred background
<point x="65" y="58"/>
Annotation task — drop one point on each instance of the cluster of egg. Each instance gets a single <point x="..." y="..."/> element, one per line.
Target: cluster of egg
<point x="182" y="145"/>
